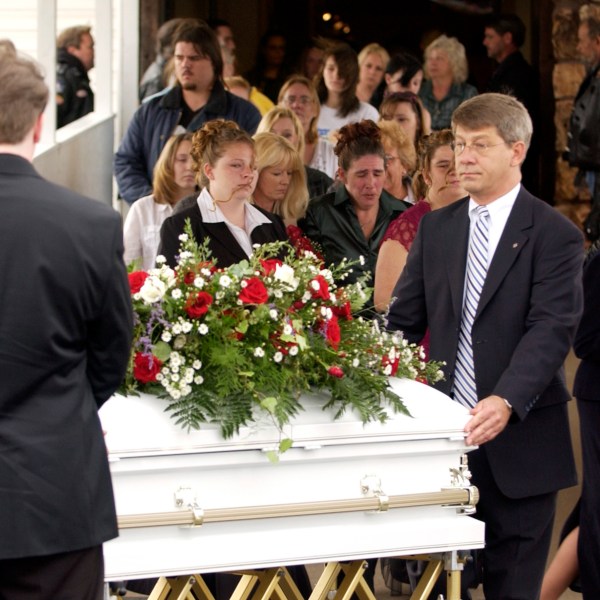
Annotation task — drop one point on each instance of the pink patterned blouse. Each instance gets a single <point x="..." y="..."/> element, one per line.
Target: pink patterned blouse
<point x="403" y="229"/>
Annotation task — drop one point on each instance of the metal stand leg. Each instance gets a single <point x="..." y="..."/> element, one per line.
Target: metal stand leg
<point x="448" y="561"/>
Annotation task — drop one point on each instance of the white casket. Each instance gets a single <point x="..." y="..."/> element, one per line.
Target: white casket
<point x="195" y="503"/>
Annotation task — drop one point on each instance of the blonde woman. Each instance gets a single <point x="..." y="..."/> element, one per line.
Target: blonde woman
<point x="281" y="186"/>
<point x="400" y="161"/>
<point x="445" y="87"/>
<point x="300" y="95"/>
<point x="174" y="179"/>
<point x="372" y="62"/>
<point x="284" y="122"/>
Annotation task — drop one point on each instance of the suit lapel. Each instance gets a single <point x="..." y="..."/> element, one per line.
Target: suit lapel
<point x="456" y="241"/>
<point x="513" y="240"/>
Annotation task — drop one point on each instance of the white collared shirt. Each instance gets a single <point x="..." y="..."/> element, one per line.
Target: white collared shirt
<point x="211" y="213"/>
<point x="499" y="211"/>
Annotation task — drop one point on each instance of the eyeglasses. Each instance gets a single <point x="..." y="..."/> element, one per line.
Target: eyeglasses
<point x="480" y="148"/>
<point x="303" y="100"/>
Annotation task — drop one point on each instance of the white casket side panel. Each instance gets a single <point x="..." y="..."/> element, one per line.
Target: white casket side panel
<point x="151" y="458"/>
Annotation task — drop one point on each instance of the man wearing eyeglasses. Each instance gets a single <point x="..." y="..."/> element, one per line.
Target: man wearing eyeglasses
<point x="497" y="279"/>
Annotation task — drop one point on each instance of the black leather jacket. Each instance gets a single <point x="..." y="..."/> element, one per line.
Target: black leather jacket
<point x="584" y="126"/>
<point x="75" y="96"/>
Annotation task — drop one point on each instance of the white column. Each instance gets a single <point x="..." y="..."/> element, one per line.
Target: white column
<point x="103" y="46"/>
<point x="46" y="52"/>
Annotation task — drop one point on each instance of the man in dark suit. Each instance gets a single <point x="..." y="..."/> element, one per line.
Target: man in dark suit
<point x="587" y="392"/>
<point x="510" y="343"/>
<point x="65" y="333"/>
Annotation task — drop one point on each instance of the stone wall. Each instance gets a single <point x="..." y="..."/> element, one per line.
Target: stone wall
<point x="568" y="73"/>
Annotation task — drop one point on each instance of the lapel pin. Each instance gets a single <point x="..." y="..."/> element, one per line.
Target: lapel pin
<point x="515" y="244"/>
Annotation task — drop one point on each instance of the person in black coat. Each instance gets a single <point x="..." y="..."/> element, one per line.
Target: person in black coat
<point x="65" y="336"/>
<point x="522" y="328"/>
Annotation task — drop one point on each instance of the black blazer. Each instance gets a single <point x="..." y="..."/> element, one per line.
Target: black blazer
<point x="65" y="336"/>
<point x="223" y="245"/>
<point x="587" y="340"/>
<point x="529" y="309"/>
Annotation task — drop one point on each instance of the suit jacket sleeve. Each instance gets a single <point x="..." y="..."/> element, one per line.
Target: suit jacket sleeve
<point x="110" y="332"/>
<point x="587" y="340"/>
<point x="408" y="311"/>
<point x="551" y="317"/>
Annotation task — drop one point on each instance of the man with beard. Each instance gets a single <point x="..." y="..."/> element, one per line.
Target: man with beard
<point x="197" y="97"/>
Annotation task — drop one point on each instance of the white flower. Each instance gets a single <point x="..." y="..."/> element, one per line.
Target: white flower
<point x="175" y="394"/>
<point x="243" y="284"/>
<point x="198" y="380"/>
<point x="166" y="336"/>
<point x="278" y="357"/>
<point x="355" y="362"/>
<point x="183" y="237"/>
<point x="197" y="364"/>
<point x="199" y="283"/>
<point x="273" y="314"/>
<point x="327" y="274"/>
<point x="259" y="352"/>
<point x="306" y="297"/>
<point x="314" y="284"/>
<point x="225" y="281"/>
<point x="153" y="290"/>
<point x="177" y="328"/>
<point x="278" y="294"/>
<point x="287" y="329"/>
<point x="160" y="259"/>
<point x="203" y="329"/>
<point x="186" y="326"/>
<point x="185" y="255"/>
<point x="285" y="275"/>
<point x="361" y="260"/>
<point x="206" y="272"/>
<point x="179" y="342"/>
<point x="293" y="350"/>
<point x="176" y="294"/>
<point x="387" y="370"/>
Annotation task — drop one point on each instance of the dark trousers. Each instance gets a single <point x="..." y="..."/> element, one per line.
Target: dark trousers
<point x="75" y="575"/>
<point x="588" y="549"/>
<point x="517" y="536"/>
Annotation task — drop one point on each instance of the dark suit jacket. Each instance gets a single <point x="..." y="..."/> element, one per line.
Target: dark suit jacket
<point x="223" y="245"/>
<point x="65" y="334"/>
<point x="587" y="340"/>
<point x="527" y="315"/>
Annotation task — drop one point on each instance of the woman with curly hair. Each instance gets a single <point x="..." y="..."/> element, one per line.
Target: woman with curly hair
<point x="281" y="185"/>
<point x="445" y="87"/>
<point x="336" y="87"/>
<point x="225" y="163"/>
<point x="351" y="221"/>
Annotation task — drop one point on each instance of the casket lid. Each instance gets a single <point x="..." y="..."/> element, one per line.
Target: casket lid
<point x="139" y="425"/>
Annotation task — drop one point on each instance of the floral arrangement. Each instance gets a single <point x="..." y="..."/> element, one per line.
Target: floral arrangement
<point x="221" y="344"/>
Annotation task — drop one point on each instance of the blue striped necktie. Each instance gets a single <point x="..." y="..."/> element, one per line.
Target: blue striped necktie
<point x="465" y="389"/>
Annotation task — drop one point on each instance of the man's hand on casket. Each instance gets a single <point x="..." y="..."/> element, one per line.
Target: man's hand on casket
<point x="490" y="417"/>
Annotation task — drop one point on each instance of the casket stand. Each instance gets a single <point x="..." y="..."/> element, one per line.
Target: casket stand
<point x="190" y="502"/>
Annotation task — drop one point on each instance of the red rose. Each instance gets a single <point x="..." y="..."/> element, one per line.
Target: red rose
<point x="269" y="265"/>
<point x="343" y="312"/>
<point x="146" y="367"/>
<point x="189" y="277"/>
<point x="136" y="280"/>
<point x="197" y="304"/>
<point x="255" y="292"/>
<point x="332" y="332"/>
<point x="319" y="288"/>
<point x="336" y="372"/>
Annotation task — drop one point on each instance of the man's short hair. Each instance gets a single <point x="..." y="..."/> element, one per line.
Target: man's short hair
<point x="590" y="15"/>
<point x="72" y="36"/>
<point x="204" y="39"/>
<point x="23" y="97"/>
<point x="164" y="37"/>
<point x="508" y="23"/>
<point x="505" y="113"/>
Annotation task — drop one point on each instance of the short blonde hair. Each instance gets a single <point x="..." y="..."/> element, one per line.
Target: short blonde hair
<point x="374" y="49"/>
<point x="164" y="188"/>
<point x="280" y="112"/>
<point x="272" y="150"/>
<point x="456" y="54"/>
<point x="392" y="133"/>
